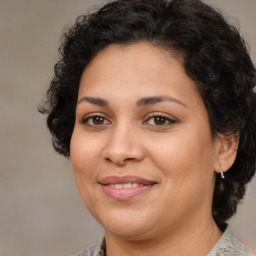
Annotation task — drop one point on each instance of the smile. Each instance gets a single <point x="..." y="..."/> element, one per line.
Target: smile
<point x="125" y="187"/>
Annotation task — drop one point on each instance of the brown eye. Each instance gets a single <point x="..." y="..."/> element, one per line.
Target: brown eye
<point x="95" y="121"/>
<point x="159" y="120"/>
<point x="98" y="120"/>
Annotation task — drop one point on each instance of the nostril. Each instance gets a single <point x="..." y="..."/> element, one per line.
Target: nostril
<point x="119" y="162"/>
<point x="128" y="159"/>
<point x="108" y="159"/>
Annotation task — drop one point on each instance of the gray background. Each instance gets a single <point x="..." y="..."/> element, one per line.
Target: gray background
<point x="41" y="212"/>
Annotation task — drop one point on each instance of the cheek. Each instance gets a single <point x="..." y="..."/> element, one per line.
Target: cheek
<point x="83" y="151"/>
<point x="186" y="166"/>
<point x="83" y="155"/>
<point x="184" y="153"/>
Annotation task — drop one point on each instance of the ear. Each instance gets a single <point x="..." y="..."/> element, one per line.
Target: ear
<point x="226" y="151"/>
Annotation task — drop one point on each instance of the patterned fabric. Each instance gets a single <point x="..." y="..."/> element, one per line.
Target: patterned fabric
<point x="97" y="249"/>
<point x="227" y="245"/>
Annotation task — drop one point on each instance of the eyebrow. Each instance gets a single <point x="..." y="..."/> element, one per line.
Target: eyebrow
<point x="157" y="99"/>
<point x="145" y="101"/>
<point x="95" y="101"/>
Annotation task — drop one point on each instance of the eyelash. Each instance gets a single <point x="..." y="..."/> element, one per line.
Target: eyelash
<point x="91" y="117"/>
<point x="165" y="118"/>
<point x="153" y="116"/>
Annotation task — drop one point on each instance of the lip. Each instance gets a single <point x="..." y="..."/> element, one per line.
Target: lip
<point x="125" y="193"/>
<point x="125" y="179"/>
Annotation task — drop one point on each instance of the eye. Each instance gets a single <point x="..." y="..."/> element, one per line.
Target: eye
<point x="160" y="120"/>
<point x="95" y="120"/>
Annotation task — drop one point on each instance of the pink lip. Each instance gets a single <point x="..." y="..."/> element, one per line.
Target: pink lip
<point x="125" y="193"/>
<point x="125" y="179"/>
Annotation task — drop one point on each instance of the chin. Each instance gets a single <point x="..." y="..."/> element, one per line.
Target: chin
<point x="128" y="225"/>
<point x="132" y="233"/>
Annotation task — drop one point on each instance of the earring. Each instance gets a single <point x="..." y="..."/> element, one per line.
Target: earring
<point x="222" y="175"/>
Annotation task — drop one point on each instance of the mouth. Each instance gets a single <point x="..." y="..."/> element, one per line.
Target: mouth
<point x="125" y="187"/>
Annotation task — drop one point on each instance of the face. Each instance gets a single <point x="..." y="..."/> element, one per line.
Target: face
<point x="142" y="151"/>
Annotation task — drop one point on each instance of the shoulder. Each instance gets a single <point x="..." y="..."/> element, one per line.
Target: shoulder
<point x="228" y="245"/>
<point x="98" y="249"/>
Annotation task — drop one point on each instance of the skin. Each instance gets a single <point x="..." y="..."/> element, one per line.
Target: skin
<point x="175" y="216"/>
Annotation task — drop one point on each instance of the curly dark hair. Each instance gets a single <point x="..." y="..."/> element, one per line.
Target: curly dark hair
<point x="214" y="56"/>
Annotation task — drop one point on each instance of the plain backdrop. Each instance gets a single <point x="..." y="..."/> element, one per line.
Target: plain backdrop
<point x="41" y="212"/>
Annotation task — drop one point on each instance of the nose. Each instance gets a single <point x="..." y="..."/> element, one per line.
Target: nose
<point x="123" y="145"/>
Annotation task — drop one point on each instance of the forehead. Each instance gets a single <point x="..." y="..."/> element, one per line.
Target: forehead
<point x="139" y="57"/>
<point x="137" y="70"/>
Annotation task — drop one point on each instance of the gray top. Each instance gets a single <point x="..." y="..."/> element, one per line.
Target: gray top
<point x="227" y="245"/>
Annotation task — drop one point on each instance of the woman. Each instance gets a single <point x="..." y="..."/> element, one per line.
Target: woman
<point x="153" y="101"/>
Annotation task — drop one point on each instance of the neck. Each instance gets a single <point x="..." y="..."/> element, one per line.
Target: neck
<point x="193" y="240"/>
